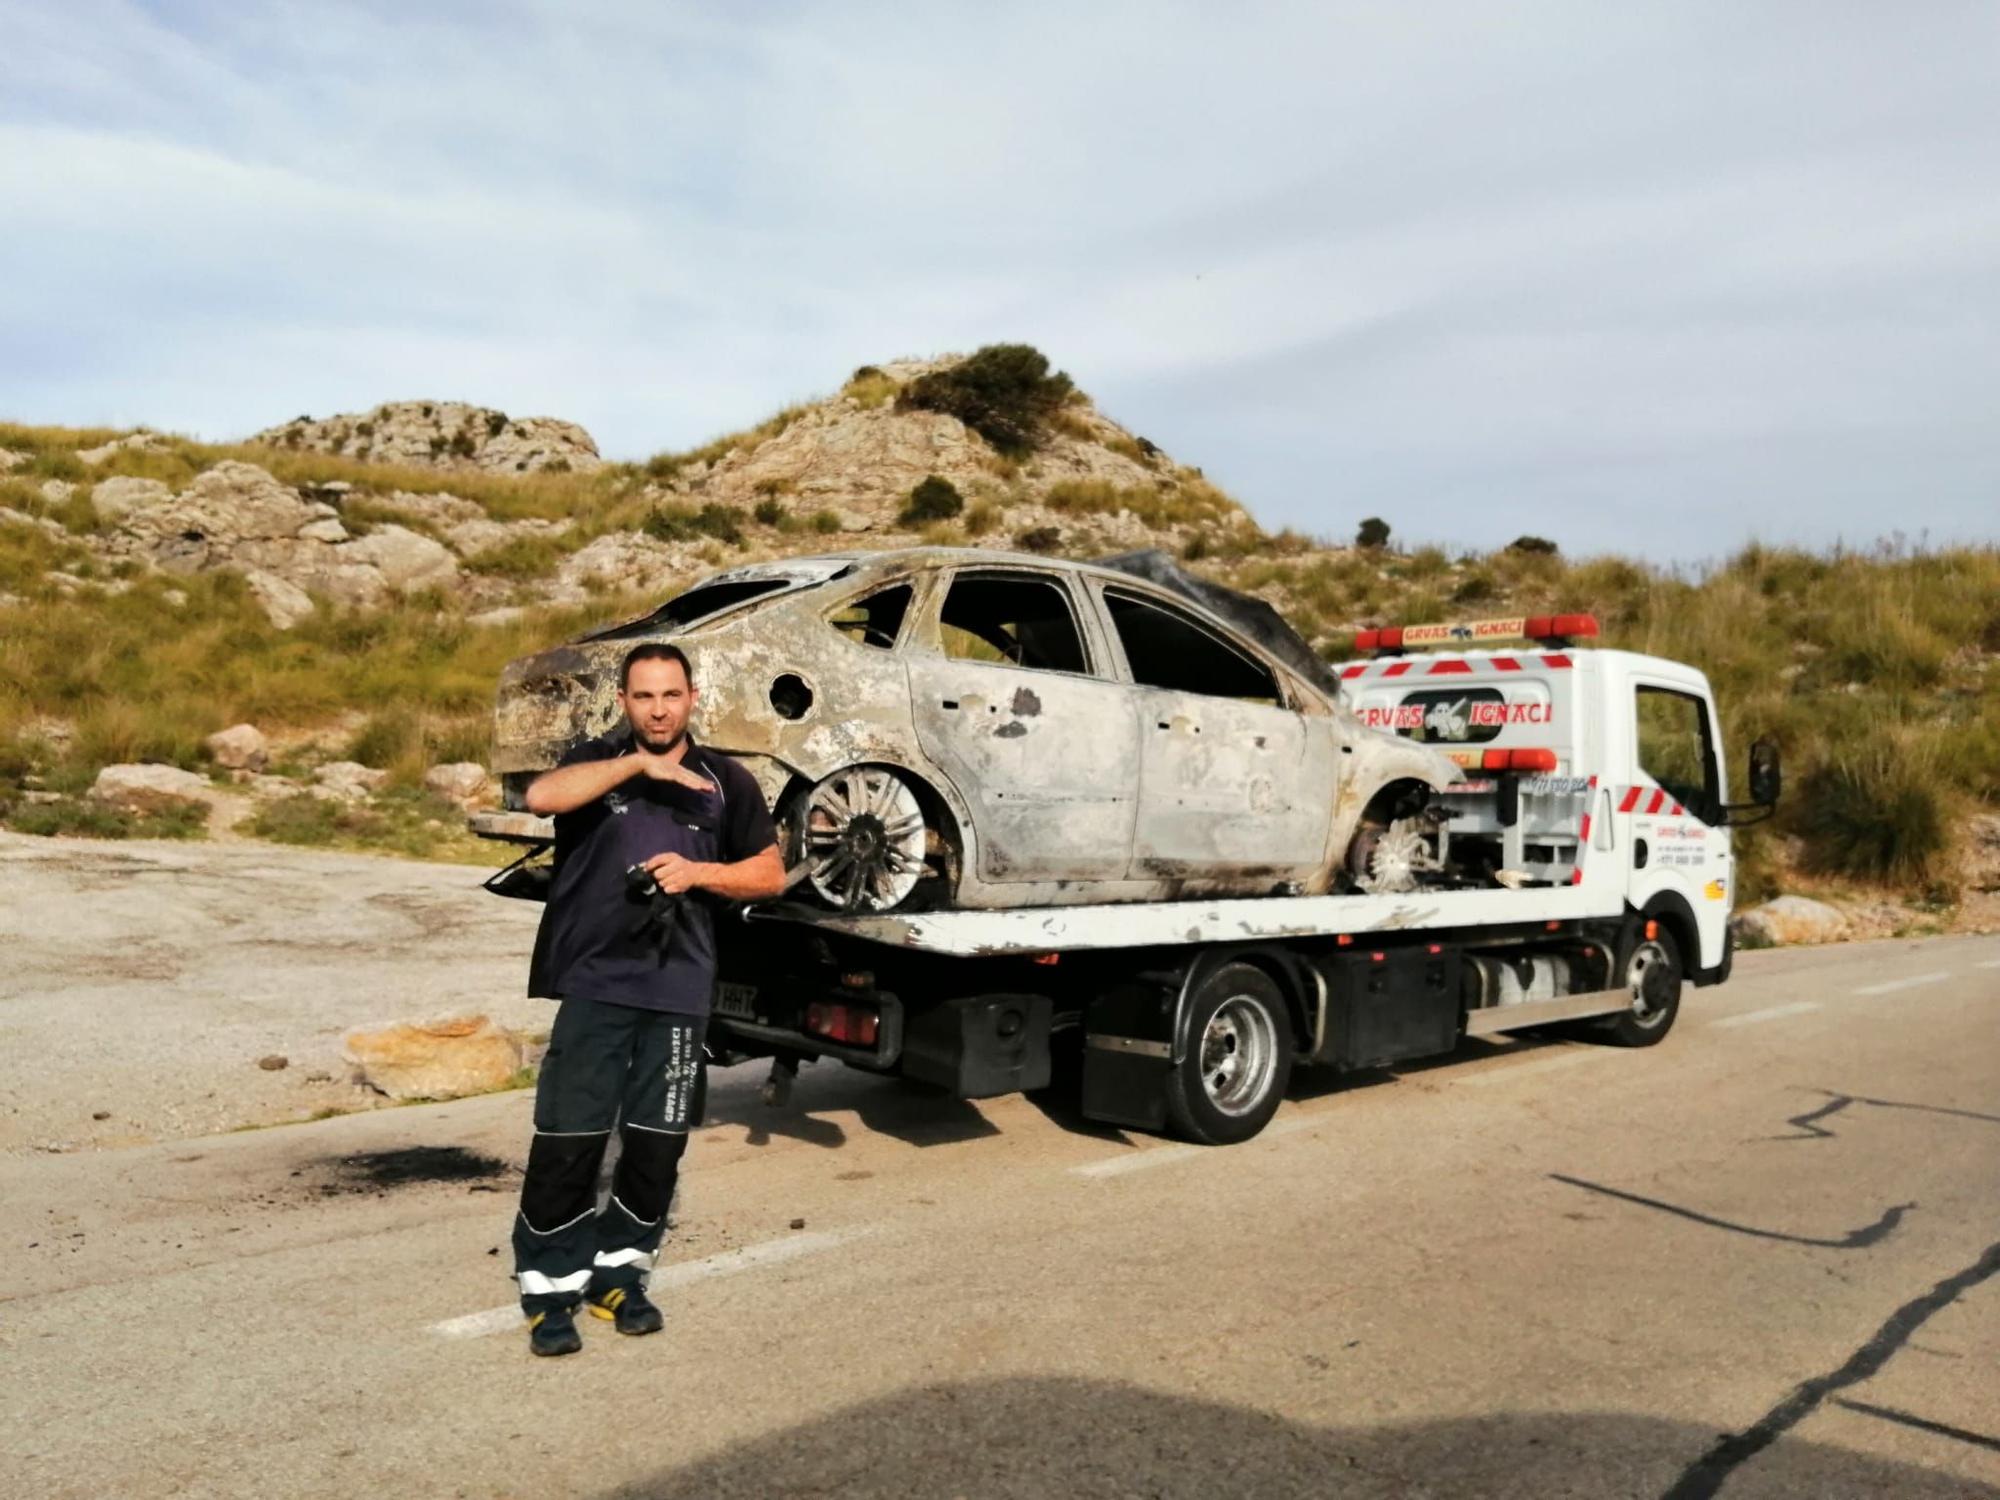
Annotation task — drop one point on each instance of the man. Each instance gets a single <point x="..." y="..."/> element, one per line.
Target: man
<point x="650" y="830"/>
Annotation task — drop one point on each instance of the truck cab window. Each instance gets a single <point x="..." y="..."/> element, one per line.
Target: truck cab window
<point x="1167" y="650"/>
<point x="1676" y="750"/>
<point x="1011" y="619"/>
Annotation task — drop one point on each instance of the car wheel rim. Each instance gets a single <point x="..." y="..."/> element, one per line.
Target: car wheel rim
<point x="1239" y="1053"/>
<point x="1648" y="973"/>
<point x="864" y="840"/>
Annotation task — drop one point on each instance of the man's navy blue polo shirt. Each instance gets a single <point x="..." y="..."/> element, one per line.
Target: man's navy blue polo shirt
<point x="596" y="941"/>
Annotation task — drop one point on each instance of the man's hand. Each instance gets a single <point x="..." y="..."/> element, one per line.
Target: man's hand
<point x="669" y="768"/>
<point x="677" y="875"/>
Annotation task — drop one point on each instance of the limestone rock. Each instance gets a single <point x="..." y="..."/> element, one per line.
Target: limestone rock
<point x="443" y="435"/>
<point x="56" y="491"/>
<point x="349" y="780"/>
<point x="464" y="782"/>
<point x="149" y="788"/>
<point x="9" y="459"/>
<point x="624" y="560"/>
<point x="284" y="604"/>
<point x="117" y="497"/>
<point x="440" y="1059"/>
<point x="240" y="747"/>
<point x="140" y="440"/>
<point x="326" y="529"/>
<point x="1790" y="919"/>
<point x="406" y="560"/>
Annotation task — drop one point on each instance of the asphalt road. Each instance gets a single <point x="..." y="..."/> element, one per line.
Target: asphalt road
<point x="1762" y="1259"/>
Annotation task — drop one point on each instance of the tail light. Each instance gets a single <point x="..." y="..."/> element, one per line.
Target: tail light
<point x="840" y="1021"/>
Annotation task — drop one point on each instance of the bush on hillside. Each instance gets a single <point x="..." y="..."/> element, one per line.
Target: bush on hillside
<point x="934" y="499"/>
<point x="1042" y="539"/>
<point x="683" y="523"/>
<point x="1539" y="545"/>
<point x="1003" y="392"/>
<point x="1373" y="534"/>
<point x="1877" y="812"/>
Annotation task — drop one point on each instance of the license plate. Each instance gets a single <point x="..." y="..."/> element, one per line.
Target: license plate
<point x="738" y="1000"/>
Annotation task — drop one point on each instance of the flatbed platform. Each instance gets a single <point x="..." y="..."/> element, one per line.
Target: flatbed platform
<point x="1150" y="924"/>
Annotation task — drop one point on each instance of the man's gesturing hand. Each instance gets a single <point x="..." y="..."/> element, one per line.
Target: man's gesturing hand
<point x="670" y="769"/>
<point x="676" y="875"/>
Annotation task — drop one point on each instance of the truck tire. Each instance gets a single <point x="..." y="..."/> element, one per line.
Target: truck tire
<point x="1653" y="971"/>
<point x="1238" y="1058"/>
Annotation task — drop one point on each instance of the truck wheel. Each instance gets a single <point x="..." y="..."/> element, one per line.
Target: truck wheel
<point x="1239" y="1058"/>
<point x="1652" y="970"/>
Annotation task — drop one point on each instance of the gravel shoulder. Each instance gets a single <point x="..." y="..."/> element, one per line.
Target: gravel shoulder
<point x="144" y="981"/>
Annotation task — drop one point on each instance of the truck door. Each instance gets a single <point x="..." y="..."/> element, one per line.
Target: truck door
<point x="1234" y="781"/>
<point x="1037" y="738"/>
<point x="1673" y="802"/>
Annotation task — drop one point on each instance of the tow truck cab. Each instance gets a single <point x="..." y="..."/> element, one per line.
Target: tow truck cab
<point x="1581" y="872"/>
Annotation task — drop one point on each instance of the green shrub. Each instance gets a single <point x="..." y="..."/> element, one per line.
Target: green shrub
<point x="1003" y="392"/>
<point x="1538" y="544"/>
<point x="529" y="555"/>
<point x="1042" y="539"/>
<point x="1373" y="534"/>
<point x="982" y="518"/>
<point x="825" y="522"/>
<point x="933" y="499"/>
<point x="1879" y="811"/>
<point x="769" y="511"/>
<point x="496" y="423"/>
<point x="684" y="523"/>
<point x="91" y="820"/>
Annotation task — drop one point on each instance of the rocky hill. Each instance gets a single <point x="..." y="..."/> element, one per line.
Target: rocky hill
<point x="442" y="435"/>
<point x="351" y="587"/>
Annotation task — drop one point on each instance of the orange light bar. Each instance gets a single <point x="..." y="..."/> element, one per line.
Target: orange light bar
<point x="1472" y="632"/>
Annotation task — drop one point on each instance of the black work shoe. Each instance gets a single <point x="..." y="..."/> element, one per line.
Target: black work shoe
<point x="629" y="1309"/>
<point x="554" y="1332"/>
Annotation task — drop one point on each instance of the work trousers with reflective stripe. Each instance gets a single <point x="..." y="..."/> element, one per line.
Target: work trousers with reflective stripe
<point x="608" y="1067"/>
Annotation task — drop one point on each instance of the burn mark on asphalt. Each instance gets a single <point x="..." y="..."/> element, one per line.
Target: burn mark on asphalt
<point x="1706" y="1475"/>
<point x="1027" y="702"/>
<point x="407" y="1166"/>
<point x="1857" y="1239"/>
<point x="1013" y="729"/>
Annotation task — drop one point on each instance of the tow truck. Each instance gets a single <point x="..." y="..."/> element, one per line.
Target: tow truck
<point x="1580" y="875"/>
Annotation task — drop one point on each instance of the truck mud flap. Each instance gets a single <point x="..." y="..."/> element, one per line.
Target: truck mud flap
<point x="1125" y="1081"/>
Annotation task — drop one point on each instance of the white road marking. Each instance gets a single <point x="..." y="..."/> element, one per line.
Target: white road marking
<point x="1890" y="986"/>
<point x="685" y="1273"/>
<point x="1769" y="1013"/>
<point x="1136" y="1161"/>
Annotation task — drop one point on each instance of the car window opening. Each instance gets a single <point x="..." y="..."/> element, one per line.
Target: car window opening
<point x="1021" y="622"/>
<point x="876" y="620"/>
<point x="696" y="606"/>
<point x="1166" y="650"/>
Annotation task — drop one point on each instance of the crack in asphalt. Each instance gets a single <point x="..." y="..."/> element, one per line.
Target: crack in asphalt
<point x="1854" y="1239"/>
<point x="1707" y="1474"/>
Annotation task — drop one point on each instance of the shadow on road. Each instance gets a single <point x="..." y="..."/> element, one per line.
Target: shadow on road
<point x="1036" y="1437"/>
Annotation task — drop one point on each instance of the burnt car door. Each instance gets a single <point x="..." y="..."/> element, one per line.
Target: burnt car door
<point x="1011" y="701"/>
<point x="1233" y="782"/>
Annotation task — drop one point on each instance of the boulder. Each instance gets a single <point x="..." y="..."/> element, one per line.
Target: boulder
<point x="464" y="782"/>
<point x="349" y="780"/>
<point x="240" y="747"/>
<point x="147" y="788"/>
<point x="284" y="604"/>
<point x="441" y="1059"/>
<point x="406" y="560"/>
<point x="443" y="435"/>
<point x="140" y="440"/>
<point x="117" y="497"/>
<point x="1788" y="920"/>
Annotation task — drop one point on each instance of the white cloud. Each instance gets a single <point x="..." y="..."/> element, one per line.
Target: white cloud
<point x="1448" y="264"/>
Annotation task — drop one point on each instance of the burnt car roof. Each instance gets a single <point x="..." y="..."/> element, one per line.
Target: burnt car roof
<point x="1248" y="615"/>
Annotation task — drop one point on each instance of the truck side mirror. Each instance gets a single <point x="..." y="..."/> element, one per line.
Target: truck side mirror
<point x="1767" y="780"/>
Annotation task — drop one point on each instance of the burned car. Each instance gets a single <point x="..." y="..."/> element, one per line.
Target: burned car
<point x="945" y="727"/>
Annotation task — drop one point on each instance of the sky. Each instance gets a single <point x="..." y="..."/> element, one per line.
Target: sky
<point x="1652" y="278"/>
